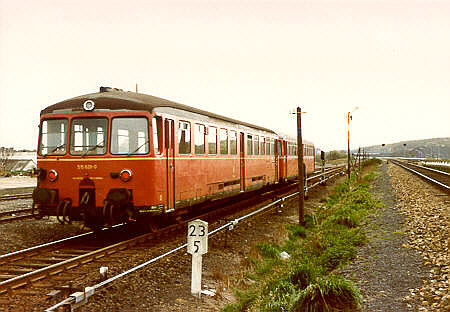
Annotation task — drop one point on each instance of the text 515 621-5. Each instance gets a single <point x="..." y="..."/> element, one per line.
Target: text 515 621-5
<point x="87" y="167"/>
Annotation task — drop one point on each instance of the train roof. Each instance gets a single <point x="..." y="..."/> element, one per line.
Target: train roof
<point x="115" y="99"/>
<point x="291" y="138"/>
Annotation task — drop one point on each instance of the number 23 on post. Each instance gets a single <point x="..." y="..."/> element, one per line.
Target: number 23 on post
<point x="197" y="237"/>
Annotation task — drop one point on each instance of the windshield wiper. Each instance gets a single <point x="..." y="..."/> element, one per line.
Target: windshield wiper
<point x="146" y="142"/>
<point x="92" y="148"/>
<point x="55" y="149"/>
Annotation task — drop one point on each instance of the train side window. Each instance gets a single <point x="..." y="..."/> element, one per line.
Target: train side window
<point x="157" y="134"/>
<point x="233" y="143"/>
<point x="184" y="137"/>
<point x="249" y="145"/>
<point x="272" y="147"/>
<point x="256" y="145"/>
<point x="199" y="139"/>
<point x="261" y="146"/>
<point x="212" y="140"/>
<point x="223" y="141"/>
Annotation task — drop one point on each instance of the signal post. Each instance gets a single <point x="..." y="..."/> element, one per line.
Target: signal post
<point x="301" y="174"/>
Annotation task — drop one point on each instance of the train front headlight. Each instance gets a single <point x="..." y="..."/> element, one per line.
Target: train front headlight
<point x="125" y="175"/>
<point x="52" y="175"/>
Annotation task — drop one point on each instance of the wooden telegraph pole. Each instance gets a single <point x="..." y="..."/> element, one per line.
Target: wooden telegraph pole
<point x="301" y="174"/>
<point x="348" y="146"/>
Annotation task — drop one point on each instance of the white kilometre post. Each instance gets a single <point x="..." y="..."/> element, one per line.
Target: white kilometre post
<point x="197" y="246"/>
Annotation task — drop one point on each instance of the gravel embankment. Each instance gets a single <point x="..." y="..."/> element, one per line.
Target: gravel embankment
<point x="391" y="271"/>
<point x="427" y="212"/>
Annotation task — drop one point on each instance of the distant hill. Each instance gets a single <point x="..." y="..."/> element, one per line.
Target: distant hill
<point x="429" y="148"/>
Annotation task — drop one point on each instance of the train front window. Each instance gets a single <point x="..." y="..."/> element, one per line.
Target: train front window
<point x="52" y="139"/>
<point x="88" y="136"/>
<point x="129" y="135"/>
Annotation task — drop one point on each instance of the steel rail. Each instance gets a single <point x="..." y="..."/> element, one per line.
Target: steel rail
<point x="423" y="175"/>
<point x="329" y="170"/>
<point x="19" y="254"/>
<point x="16" y="196"/>
<point x="325" y="173"/>
<point x="14" y="215"/>
<point x="431" y="169"/>
<point x="9" y="212"/>
<point x="16" y="218"/>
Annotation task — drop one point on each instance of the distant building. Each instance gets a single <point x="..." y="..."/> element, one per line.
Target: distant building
<point x="21" y="161"/>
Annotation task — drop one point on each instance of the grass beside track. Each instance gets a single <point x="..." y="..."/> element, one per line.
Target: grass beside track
<point x="329" y="240"/>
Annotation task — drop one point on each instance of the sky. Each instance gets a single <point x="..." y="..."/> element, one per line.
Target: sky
<point x="254" y="61"/>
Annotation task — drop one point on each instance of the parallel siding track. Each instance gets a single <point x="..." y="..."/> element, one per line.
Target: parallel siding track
<point x="16" y="196"/>
<point x="433" y="176"/>
<point x="15" y="215"/>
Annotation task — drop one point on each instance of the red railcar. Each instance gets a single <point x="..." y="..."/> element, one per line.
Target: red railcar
<point x="114" y="156"/>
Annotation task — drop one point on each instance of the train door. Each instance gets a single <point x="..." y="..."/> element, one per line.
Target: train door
<point x="242" y="160"/>
<point x="285" y="159"/>
<point x="281" y="159"/>
<point x="169" y="138"/>
<point x="277" y="157"/>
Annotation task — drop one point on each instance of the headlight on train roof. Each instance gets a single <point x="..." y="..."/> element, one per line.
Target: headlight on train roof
<point x="125" y="175"/>
<point x="88" y="105"/>
<point x="52" y="175"/>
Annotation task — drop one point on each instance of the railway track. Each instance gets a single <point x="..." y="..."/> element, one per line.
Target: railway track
<point x="16" y="196"/>
<point x="433" y="176"/>
<point x="23" y="269"/>
<point x="15" y="215"/>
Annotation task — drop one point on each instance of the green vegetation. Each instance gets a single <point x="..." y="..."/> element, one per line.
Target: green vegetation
<point x="329" y="240"/>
